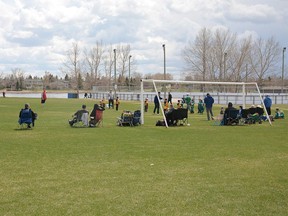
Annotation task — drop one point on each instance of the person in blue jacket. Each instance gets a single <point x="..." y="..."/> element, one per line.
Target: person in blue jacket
<point x="208" y="101"/>
<point x="268" y="104"/>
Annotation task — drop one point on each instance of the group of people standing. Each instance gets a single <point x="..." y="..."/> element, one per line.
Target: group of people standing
<point x="208" y="103"/>
<point x="111" y="101"/>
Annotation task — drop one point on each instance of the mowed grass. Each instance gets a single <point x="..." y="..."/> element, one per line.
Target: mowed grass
<point x="200" y="169"/>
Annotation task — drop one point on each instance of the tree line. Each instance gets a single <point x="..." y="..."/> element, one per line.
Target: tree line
<point x="221" y="55"/>
<point x="218" y="55"/>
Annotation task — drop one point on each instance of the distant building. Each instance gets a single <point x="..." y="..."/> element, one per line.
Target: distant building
<point x="31" y="84"/>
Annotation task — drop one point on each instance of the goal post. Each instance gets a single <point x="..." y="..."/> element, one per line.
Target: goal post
<point x="154" y="82"/>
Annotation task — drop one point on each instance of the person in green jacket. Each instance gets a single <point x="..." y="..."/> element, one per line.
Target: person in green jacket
<point x="200" y="106"/>
<point x="279" y="114"/>
<point x="192" y="106"/>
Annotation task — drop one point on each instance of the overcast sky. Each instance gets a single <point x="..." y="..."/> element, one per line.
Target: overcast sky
<point x="36" y="34"/>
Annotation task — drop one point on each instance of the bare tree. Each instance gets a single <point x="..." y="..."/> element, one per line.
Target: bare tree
<point x="196" y="55"/>
<point x="93" y="59"/>
<point x="108" y="59"/>
<point x="123" y="61"/>
<point x="159" y="76"/>
<point x="18" y="77"/>
<point x="223" y="43"/>
<point x="205" y="56"/>
<point x="222" y="56"/>
<point x="238" y="60"/>
<point x="72" y="66"/>
<point x="263" y="57"/>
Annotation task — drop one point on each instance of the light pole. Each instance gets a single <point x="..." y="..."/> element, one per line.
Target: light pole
<point x="115" y="79"/>
<point x="225" y="59"/>
<point x="282" y="87"/>
<point x="164" y="52"/>
<point x="246" y="75"/>
<point x="129" y="72"/>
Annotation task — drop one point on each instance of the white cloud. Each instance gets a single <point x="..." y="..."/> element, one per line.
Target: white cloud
<point x="37" y="33"/>
<point x="22" y="34"/>
<point x="253" y="13"/>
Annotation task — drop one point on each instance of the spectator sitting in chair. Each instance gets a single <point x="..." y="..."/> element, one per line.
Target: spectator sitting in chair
<point x="169" y="113"/>
<point x="102" y="103"/>
<point x="171" y="108"/>
<point x="179" y="104"/>
<point x="230" y="107"/>
<point x="27" y="116"/>
<point x="93" y="121"/>
<point x="166" y="105"/>
<point x="78" y="116"/>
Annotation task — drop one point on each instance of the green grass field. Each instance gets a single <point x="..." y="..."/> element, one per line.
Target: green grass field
<point x="201" y="169"/>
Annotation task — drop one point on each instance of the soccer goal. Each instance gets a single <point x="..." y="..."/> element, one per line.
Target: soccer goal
<point x="241" y="85"/>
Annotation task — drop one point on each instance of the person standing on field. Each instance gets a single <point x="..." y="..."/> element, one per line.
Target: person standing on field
<point x="111" y="99"/>
<point x="170" y="98"/>
<point x="268" y="104"/>
<point x="146" y="103"/>
<point x="208" y="101"/>
<point x="43" y="97"/>
<point x="157" y="103"/>
<point x="117" y="103"/>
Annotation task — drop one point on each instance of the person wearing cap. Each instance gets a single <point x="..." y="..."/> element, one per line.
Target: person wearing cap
<point x="268" y="104"/>
<point x="208" y="101"/>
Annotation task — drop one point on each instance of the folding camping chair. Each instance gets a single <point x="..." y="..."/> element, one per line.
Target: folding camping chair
<point x="136" y="118"/>
<point x="218" y="120"/>
<point x="97" y="119"/>
<point x="255" y="115"/>
<point x="126" y="119"/>
<point x="80" y="120"/>
<point x="177" y="117"/>
<point x="182" y="116"/>
<point x="25" y="119"/>
<point x="231" y="117"/>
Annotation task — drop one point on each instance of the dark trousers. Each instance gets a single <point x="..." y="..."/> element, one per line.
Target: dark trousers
<point x="111" y="103"/>
<point x="209" y="113"/>
<point x="156" y="108"/>
<point x="268" y="110"/>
